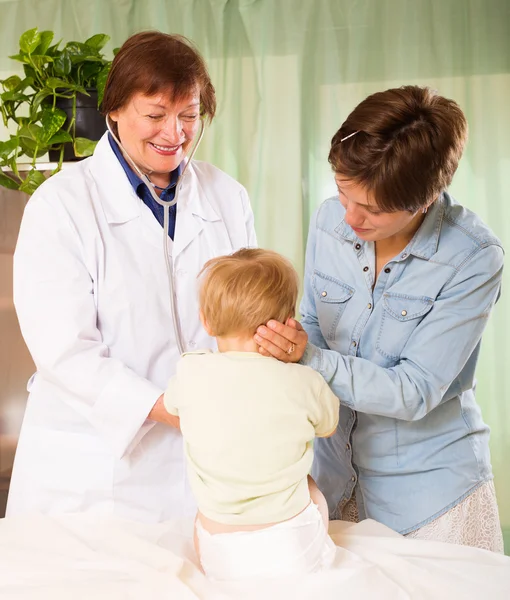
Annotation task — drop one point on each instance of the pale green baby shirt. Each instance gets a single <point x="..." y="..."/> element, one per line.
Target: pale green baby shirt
<point x="248" y="424"/>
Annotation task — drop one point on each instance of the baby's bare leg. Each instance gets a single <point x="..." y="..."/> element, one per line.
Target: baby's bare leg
<point x="317" y="498"/>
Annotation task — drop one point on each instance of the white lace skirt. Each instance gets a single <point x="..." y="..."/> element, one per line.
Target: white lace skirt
<point x="472" y="522"/>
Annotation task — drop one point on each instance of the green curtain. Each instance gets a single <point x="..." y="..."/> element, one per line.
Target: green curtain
<point x="287" y="73"/>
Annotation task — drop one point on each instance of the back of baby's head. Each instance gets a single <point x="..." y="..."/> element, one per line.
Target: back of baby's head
<point x="246" y="289"/>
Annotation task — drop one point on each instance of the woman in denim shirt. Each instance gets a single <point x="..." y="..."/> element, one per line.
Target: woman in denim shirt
<point x="399" y="283"/>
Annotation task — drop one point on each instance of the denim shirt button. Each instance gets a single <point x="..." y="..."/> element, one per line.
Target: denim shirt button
<point x="354" y="343"/>
<point x="387" y="270"/>
<point x="365" y="269"/>
<point x="353" y="478"/>
<point x="404" y="313"/>
<point x="369" y="306"/>
<point x="358" y="246"/>
<point x="324" y="294"/>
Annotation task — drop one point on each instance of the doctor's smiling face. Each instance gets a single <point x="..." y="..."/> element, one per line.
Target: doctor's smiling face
<point x="157" y="131"/>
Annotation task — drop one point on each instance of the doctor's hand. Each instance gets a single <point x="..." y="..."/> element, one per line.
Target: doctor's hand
<point x="284" y="342"/>
<point x="160" y="414"/>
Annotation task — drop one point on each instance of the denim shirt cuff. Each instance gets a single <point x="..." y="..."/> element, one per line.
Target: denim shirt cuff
<point x="312" y="357"/>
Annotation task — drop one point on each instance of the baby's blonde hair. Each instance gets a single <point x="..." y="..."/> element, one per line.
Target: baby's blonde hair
<point x="246" y="289"/>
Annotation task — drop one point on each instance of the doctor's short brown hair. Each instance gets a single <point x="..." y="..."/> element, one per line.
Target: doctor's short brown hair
<point x="406" y="146"/>
<point x="244" y="290"/>
<point x="152" y="62"/>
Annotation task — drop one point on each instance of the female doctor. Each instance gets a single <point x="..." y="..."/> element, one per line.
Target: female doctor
<point x="92" y="294"/>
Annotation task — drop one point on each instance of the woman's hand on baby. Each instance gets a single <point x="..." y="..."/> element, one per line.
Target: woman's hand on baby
<point x="284" y="342"/>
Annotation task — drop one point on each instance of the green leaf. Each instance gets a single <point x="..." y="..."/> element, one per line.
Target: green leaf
<point x="11" y="163"/>
<point x="22" y="121"/>
<point x="53" y="50"/>
<point x="28" y="146"/>
<point x="61" y="137"/>
<point x="46" y="39"/>
<point x="116" y="51"/>
<point x="8" y="147"/>
<point x="41" y="61"/>
<point x="21" y="57"/>
<point x="63" y="63"/>
<point x="38" y="99"/>
<point x="55" y="83"/>
<point x="32" y="181"/>
<point x="7" y="182"/>
<point x="82" y="90"/>
<point x="14" y="97"/>
<point x="88" y="58"/>
<point x="32" y="149"/>
<point x="77" y="51"/>
<point x="90" y="72"/>
<point x="30" y="132"/>
<point x="51" y="121"/>
<point x="97" y="41"/>
<point x="11" y="83"/>
<point x="29" y="41"/>
<point x="83" y="146"/>
<point x="4" y="114"/>
<point x="30" y="72"/>
<point x="24" y="84"/>
<point x="101" y="83"/>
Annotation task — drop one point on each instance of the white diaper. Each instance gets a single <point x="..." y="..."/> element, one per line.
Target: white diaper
<point x="299" y="545"/>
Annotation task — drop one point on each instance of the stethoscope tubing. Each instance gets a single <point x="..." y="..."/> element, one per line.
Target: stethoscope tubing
<point x="166" y="204"/>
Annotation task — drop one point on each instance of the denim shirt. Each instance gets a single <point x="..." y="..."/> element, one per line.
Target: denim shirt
<point x="401" y="357"/>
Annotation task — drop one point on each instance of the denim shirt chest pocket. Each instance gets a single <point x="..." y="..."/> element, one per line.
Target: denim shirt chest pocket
<point x="401" y="315"/>
<point x="331" y="299"/>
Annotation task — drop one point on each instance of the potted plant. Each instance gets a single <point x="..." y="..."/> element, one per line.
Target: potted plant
<point x="43" y="105"/>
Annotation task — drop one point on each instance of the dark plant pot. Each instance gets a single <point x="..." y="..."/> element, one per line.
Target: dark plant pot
<point x="89" y="124"/>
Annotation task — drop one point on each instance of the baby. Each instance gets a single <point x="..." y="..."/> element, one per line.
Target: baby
<point x="248" y="423"/>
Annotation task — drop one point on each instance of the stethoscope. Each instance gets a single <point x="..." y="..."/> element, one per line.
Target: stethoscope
<point x="166" y="204"/>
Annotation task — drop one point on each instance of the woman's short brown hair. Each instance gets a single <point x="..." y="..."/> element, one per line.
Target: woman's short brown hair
<point x="151" y="62"/>
<point x="240" y="292"/>
<point x="407" y="147"/>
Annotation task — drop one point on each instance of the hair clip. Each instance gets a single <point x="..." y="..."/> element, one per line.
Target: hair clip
<point x="349" y="136"/>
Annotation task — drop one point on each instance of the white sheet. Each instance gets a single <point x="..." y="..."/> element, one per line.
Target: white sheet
<point x="79" y="557"/>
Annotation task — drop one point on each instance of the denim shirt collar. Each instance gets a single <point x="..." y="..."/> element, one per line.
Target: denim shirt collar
<point x="425" y="240"/>
<point x="136" y="183"/>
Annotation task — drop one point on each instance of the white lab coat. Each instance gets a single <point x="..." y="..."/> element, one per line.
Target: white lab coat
<point x="92" y="298"/>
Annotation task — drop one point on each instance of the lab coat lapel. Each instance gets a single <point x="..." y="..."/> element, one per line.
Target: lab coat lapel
<point x="193" y="212"/>
<point x="120" y="202"/>
<point x="118" y="199"/>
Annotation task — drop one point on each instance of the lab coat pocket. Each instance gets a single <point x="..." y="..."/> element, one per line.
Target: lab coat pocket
<point x="401" y="315"/>
<point x="331" y="299"/>
<point x="70" y="470"/>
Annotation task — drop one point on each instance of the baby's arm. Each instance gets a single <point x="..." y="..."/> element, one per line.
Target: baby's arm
<point x="328" y="407"/>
